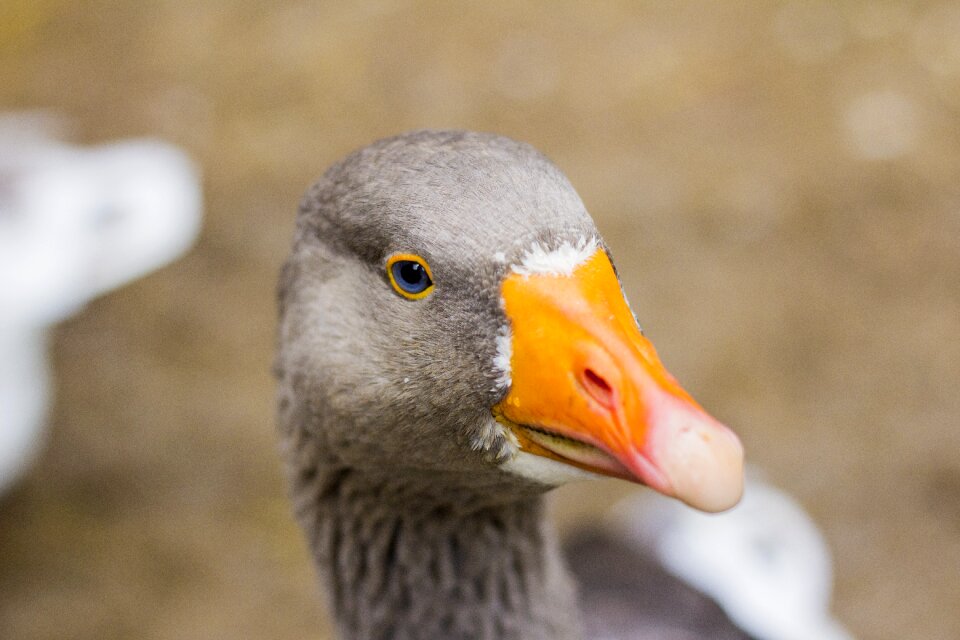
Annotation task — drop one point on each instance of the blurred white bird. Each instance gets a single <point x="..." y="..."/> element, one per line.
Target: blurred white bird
<point x="764" y="562"/>
<point x="74" y="223"/>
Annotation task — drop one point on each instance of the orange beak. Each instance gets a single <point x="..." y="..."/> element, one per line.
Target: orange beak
<point x="589" y="390"/>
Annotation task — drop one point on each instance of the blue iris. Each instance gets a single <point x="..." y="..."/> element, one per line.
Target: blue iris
<point x="411" y="276"/>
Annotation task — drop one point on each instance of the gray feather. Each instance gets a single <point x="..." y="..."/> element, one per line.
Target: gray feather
<point x="385" y="403"/>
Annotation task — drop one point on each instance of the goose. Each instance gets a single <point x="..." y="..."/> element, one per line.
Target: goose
<point x="454" y="342"/>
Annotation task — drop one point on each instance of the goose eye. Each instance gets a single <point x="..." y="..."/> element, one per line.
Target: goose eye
<point x="410" y="276"/>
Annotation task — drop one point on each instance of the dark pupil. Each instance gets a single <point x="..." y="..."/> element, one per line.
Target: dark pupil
<point x="411" y="276"/>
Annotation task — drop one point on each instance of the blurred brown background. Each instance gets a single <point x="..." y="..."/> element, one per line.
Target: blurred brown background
<point x="780" y="183"/>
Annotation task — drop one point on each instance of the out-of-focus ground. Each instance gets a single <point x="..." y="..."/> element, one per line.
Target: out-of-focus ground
<point x="780" y="184"/>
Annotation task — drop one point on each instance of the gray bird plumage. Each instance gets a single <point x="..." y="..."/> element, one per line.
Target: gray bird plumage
<point x="382" y="401"/>
<point x="392" y="454"/>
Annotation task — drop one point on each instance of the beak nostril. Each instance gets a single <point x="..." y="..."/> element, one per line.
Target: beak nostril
<point x="597" y="387"/>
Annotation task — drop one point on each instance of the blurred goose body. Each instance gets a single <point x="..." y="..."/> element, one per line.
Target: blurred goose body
<point x="74" y="223"/>
<point x="761" y="570"/>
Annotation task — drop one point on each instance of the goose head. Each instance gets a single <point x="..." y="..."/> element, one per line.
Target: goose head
<point x="451" y="320"/>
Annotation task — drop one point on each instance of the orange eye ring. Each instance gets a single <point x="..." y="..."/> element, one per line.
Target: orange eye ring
<point x="410" y="275"/>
